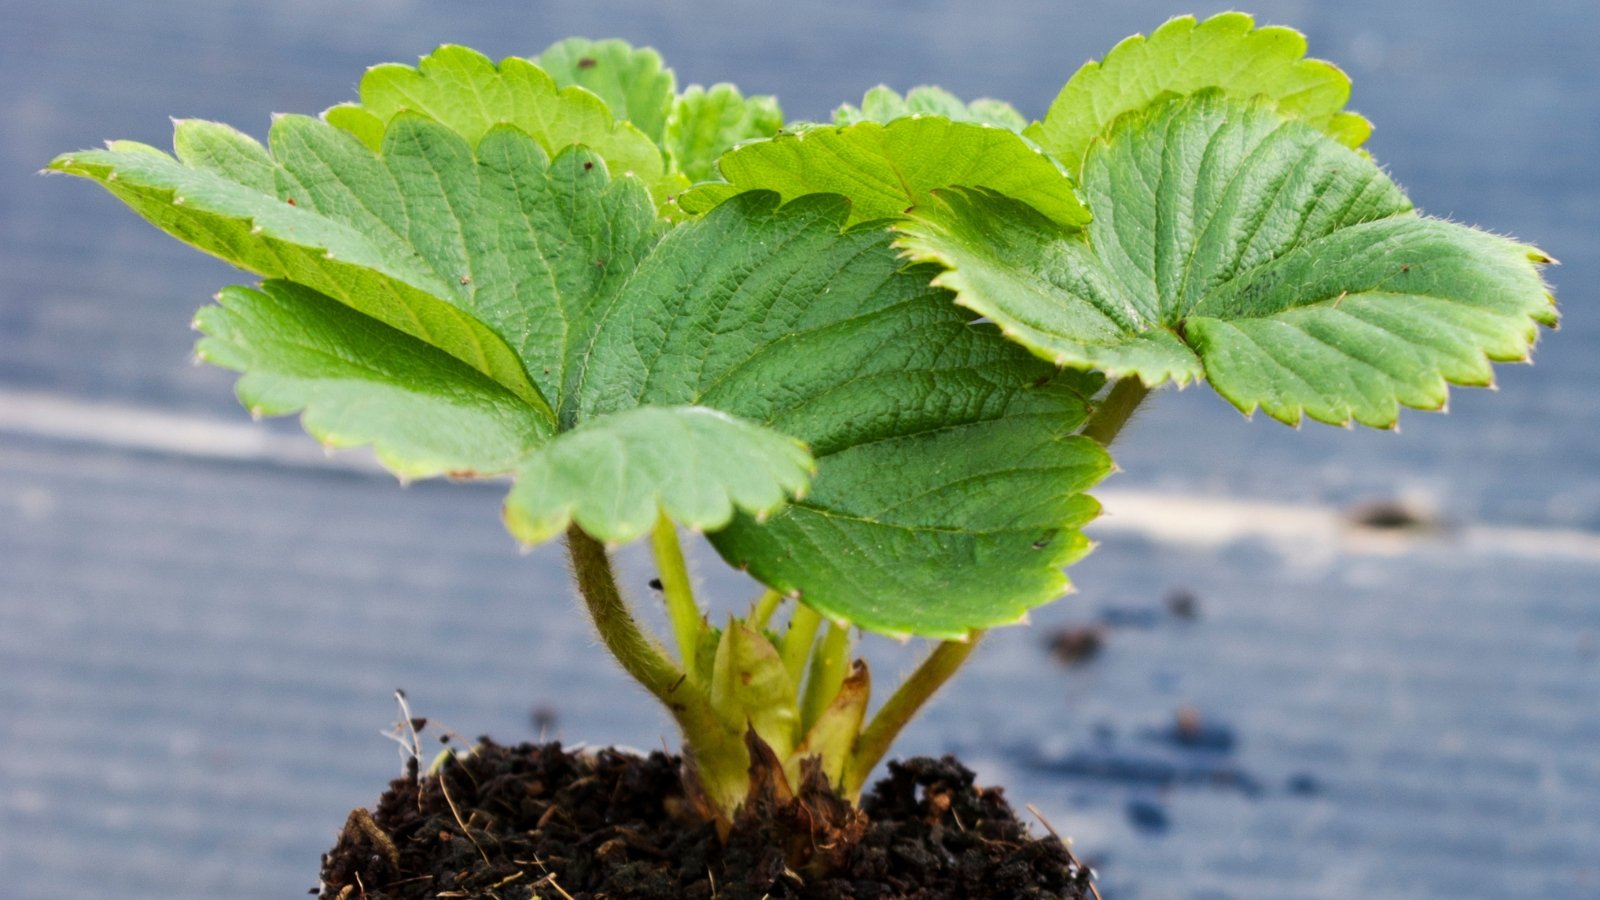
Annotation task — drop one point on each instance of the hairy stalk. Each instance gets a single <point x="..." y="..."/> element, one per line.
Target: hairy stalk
<point x="1114" y="411"/>
<point x="678" y="593"/>
<point x="640" y="655"/>
<point x="902" y="706"/>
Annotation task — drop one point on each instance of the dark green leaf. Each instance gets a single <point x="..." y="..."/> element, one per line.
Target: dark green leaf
<point x="949" y="484"/>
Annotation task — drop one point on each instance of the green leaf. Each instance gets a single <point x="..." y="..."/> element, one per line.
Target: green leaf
<point x="466" y="91"/>
<point x="224" y="151"/>
<point x="948" y="490"/>
<point x="887" y="169"/>
<point x="947" y="447"/>
<point x="492" y="253"/>
<point x="1183" y="56"/>
<point x="751" y="689"/>
<point x="361" y="382"/>
<point x="1230" y="240"/>
<point x="631" y="81"/>
<point x="883" y="105"/>
<point x="707" y="123"/>
<point x="616" y="474"/>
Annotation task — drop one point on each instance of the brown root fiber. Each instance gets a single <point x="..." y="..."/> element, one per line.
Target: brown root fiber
<point x="543" y="822"/>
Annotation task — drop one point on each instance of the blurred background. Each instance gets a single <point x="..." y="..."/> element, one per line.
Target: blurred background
<point x="1314" y="663"/>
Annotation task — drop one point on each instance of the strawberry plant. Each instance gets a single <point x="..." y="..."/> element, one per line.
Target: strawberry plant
<point x="877" y="361"/>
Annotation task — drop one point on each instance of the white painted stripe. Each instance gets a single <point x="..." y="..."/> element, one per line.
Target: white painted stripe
<point x="66" y="419"/>
<point x="1318" y="531"/>
<point x="1168" y="518"/>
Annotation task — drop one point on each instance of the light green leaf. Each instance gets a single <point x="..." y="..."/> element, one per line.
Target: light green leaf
<point x="707" y="123"/>
<point x="225" y="152"/>
<point x="491" y="253"/>
<point x="883" y="105"/>
<point x="616" y="474"/>
<point x="1232" y="240"/>
<point x="1183" y="56"/>
<point x="631" y="81"/>
<point x="466" y="91"/>
<point x="886" y="170"/>
<point x="362" y="382"/>
<point x="749" y="682"/>
<point x="949" y="484"/>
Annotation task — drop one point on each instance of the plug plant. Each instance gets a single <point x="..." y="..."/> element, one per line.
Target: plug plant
<point x="877" y="361"/>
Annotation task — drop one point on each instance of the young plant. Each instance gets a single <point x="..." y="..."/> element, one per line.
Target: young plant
<point x="876" y="361"/>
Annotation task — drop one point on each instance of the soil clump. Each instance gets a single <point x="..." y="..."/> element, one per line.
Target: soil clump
<point x="515" y="823"/>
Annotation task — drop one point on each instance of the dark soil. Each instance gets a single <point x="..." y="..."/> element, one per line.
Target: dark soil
<point x="535" y="821"/>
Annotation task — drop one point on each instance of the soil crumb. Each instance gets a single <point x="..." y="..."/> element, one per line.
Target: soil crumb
<point x="537" y="821"/>
<point x="1078" y="646"/>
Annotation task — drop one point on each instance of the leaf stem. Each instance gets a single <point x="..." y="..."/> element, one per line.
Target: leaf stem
<point x="765" y="605"/>
<point x="678" y="593"/>
<point x="797" y="640"/>
<point x="902" y="706"/>
<point x="829" y="666"/>
<point x="641" y="655"/>
<point x="1115" y="410"/>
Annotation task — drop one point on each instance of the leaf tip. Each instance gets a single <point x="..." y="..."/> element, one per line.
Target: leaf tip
<point x="257" y="413"/>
